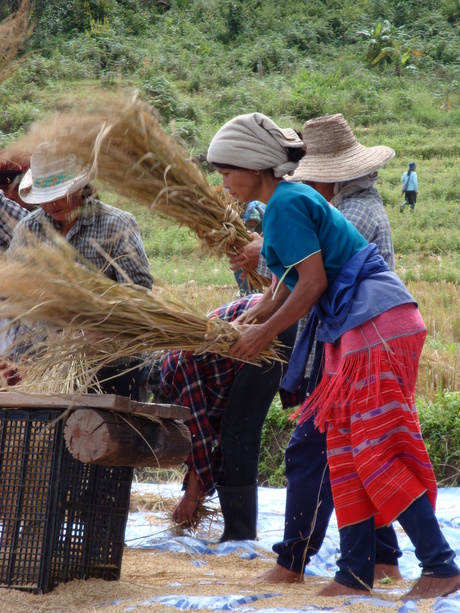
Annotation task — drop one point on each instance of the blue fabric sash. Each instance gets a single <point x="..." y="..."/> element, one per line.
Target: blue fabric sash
<point x="346" y="304"/>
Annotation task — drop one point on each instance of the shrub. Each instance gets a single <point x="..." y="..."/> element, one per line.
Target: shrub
<point x="160" y="94"/>
<point x="16" y="116"/>
<point x="440" y="423"/>
<point x="275" y="437"/>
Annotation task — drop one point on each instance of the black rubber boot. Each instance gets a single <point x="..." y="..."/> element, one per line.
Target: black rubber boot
<point x="239" y="509"/>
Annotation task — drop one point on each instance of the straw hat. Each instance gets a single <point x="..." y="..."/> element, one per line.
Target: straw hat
<point x="51" y="177"/>
<point x="333" y="153"/>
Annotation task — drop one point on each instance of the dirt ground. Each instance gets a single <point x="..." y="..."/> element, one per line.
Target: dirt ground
<point x="150" y="573"/>
<point x="147" y="574"/>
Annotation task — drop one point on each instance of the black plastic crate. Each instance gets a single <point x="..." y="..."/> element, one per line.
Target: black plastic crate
<point x="60" y="519"/>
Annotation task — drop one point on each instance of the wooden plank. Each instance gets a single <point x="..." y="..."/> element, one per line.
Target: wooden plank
<point x="112" y="402"/>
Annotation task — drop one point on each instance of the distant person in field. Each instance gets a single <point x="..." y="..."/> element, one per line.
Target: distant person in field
<point x="410" y="187"/>
<point x="106" y="236"/>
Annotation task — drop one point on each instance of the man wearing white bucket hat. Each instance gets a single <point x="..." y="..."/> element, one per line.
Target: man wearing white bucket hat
<point x="106" y="236"/>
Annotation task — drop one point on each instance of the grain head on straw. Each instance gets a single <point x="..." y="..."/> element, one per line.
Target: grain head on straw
<point x="122" y="140"/>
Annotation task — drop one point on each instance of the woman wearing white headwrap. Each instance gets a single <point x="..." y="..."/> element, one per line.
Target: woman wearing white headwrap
<point x="372" y="335"/>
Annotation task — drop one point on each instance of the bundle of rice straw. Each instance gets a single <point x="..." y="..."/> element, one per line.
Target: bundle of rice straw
<point x="52" y="284"/>
<point x="14" y="31"/>
<point x="123" y="142"/>
<point x="57" y="365"/>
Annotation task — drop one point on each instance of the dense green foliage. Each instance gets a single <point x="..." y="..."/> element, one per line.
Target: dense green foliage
<point x="392" y="67"/>
<point x="440" y="423"/>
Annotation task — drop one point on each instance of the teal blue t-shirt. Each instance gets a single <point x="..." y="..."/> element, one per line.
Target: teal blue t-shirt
<point x="298" y="223"/>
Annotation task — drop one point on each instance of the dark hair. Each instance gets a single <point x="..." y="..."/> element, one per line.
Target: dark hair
<point x="218" y="165"/>
<point x="295" y="154"/>
<point x="10" y="176"/>
<point x="89" y="192"/>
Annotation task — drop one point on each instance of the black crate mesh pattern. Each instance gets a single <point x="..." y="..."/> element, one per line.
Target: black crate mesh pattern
<point x="60" y="519"/>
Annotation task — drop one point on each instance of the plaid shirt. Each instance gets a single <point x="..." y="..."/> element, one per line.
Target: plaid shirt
<point x="99" y="226"/>
<point x="366" y="212"/>
<point x="203" y="383"/>
<point x="262" y="267"/>
<point x="10" y="213"/>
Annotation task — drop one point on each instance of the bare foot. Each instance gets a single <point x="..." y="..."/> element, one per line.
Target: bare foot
<point x="432" y="587"/>
<point x="337" y="589"/>
<point x="279" y="574"/>
<point x="387" y="571"/>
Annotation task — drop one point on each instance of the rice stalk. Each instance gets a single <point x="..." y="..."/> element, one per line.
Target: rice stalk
<point x="124" y="145"/>
<point x="103" y="320"/>
<point x="203" y="519"/>
<point x="55" y="366"/>
<point x="14" y="31"/>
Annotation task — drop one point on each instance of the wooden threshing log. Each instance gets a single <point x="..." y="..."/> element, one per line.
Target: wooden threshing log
<point x="120" y="439"/>
<point x="113" y="430"/>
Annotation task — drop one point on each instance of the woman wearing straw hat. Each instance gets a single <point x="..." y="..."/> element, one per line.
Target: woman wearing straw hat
<point x="106" y="236"/>
<point x="372" y="336"/>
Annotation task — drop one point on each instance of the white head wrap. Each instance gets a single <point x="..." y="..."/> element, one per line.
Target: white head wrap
<point x="254" y="142"/>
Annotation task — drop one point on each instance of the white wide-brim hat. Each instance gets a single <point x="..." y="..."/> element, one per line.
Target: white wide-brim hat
<point x="51" y="177"/>
<point x="333" y="153"/>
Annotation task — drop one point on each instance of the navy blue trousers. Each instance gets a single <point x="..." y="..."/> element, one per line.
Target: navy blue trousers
<point x="250" y="398"/>
<point x="309" y="504"/>
<point x="358" y="547"/>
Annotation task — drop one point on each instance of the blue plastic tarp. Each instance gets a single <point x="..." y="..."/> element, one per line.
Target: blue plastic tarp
<point x="160" y="535"/>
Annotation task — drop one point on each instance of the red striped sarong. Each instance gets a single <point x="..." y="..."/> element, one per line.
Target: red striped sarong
<point x="377" y="458"/>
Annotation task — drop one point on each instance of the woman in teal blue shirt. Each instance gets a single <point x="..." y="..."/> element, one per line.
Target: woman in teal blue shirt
<point x="372" y="335"/>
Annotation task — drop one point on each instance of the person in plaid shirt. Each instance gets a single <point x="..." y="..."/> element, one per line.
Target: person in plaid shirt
<point x="229" y="401"/>
<point x="10" y="213"/>
<point x="107" y="237"/>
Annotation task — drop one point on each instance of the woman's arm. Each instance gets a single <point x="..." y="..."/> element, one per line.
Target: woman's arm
<point x="267" y="305"/>
<point x="310" y="287"/>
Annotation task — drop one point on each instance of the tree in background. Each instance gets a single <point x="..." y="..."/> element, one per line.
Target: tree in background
<point x="390" y="44"/>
